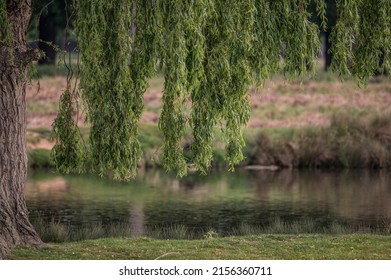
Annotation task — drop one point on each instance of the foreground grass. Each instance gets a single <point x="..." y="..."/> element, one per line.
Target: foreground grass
<point x="358" y="246"/>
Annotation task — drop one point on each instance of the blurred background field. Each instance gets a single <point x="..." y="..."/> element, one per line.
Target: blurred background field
<point x="315" y="122"/>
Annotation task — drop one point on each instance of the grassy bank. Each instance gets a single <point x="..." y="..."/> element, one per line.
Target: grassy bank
<point x="350" y="141"/>
<point x="253" y="247"/>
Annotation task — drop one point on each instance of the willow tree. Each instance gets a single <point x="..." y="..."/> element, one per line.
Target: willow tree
<point x="211" y="51"/>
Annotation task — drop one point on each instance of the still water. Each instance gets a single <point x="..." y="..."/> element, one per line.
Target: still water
<point x="220" y="201"/>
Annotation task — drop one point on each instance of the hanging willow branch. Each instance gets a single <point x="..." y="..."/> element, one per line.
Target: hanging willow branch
<point x="236" y="106"/>
<point x="113" y="105"/>
<point x="265" y="55"/>
<point x="173" y="120"/>
<point x="321" y="12"/>
<point x="212" y="51"/>
<point x="67" y="152"/>
<point x="344" y="35"/>
<point x="369" y="50"/>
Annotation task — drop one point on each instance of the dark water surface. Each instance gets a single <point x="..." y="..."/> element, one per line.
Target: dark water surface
<point x="220" y="201"/>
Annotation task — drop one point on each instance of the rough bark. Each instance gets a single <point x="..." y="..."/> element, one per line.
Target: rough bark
<point x="15" y="228"/>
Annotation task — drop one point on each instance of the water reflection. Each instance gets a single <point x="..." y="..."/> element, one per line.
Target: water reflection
<point x="220" y="201"/>
<point x="353" y="195"/>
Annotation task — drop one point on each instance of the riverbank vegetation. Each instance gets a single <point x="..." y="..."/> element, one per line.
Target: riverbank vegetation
<point x="268" y="246"/>
<point x="351" y="140"/>
<point x="56" y="232"/>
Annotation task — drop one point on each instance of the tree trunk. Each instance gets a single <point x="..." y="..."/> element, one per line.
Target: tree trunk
<point x="47" y="37"/>
<point x="15" y="228"/>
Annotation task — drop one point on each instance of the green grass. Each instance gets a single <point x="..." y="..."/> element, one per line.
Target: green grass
<point x="39" y="158"/>
<point x="359" y="246"/>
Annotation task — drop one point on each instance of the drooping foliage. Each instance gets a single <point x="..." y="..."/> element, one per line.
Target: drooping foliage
<point x="211" y="52"/>
<point x="344" y="35"/>
<point x="321" y="12"/>
<point x="223" y="91"/>
<point x="361" y="38"/>
<point x="117" y="55"/>
<point x="174" y="52"/>
<point x="67" y="153"/>
<point x="266" y="47"/>
<point x="374" y="21"/>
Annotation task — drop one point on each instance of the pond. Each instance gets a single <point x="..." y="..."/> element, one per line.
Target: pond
<point x="219" y="202"/>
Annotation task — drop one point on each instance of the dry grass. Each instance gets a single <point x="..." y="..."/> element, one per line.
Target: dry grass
<point x="277" y="104"/>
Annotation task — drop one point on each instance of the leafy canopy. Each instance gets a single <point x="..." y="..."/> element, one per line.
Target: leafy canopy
<point x="212" y="52"/>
